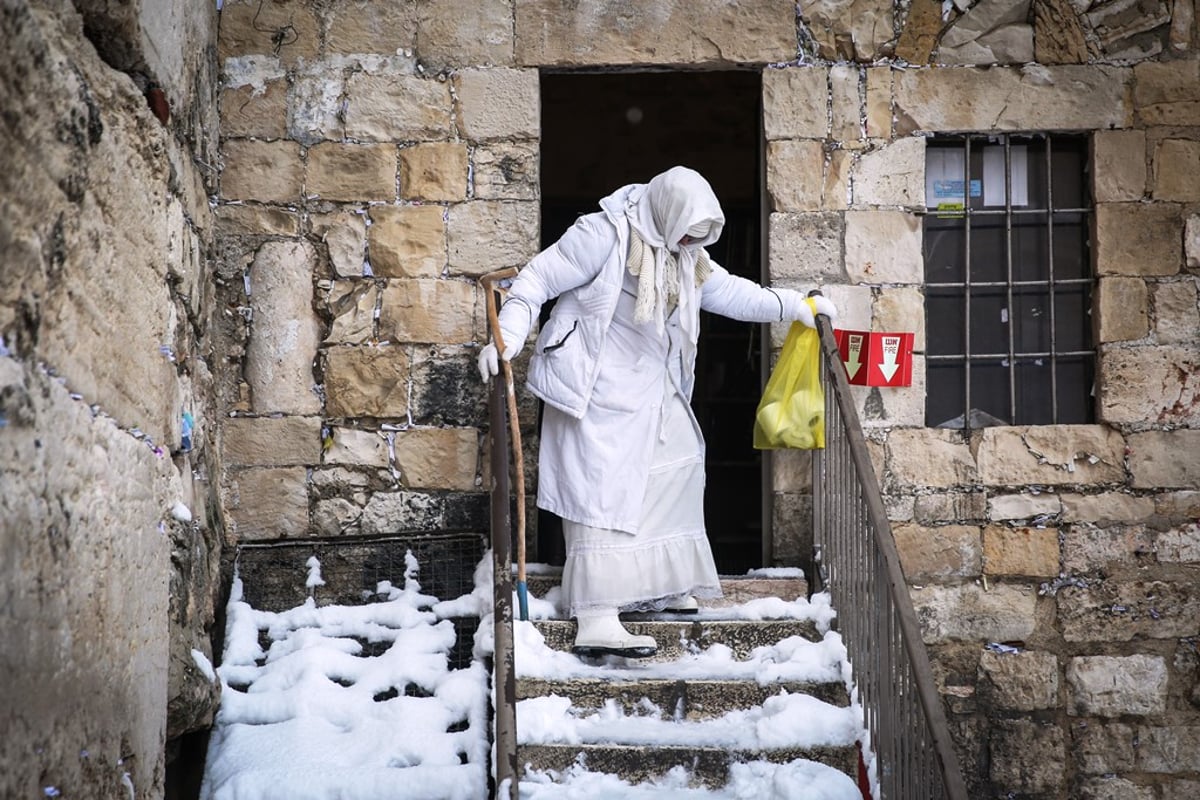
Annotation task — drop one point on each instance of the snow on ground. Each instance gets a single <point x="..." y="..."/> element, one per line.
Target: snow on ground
<point x="360" y="703"/>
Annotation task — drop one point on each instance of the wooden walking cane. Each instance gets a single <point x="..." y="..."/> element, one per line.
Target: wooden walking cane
<point x="488" y="282"/>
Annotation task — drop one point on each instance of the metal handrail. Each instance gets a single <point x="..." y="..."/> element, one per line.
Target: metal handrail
<point x="859" y="565"/>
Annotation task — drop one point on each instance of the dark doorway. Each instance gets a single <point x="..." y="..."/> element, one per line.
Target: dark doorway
<point x="601" y="131"/>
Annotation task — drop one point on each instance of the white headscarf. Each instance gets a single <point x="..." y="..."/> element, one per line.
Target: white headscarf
<point x="674" y="204"/>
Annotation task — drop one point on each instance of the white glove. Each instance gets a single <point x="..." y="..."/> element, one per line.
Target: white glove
<point x="825" y="306"/>
<point x="489" y="359"/>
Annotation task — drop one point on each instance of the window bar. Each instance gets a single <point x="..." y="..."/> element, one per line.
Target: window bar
<point x="1050" y="275"/>
<point x="1008" y="290"/>
<point x="966" y="283"/>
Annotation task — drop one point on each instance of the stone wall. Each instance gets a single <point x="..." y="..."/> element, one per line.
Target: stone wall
<point x="107" y="575"/>
<point x="378" y="158"/>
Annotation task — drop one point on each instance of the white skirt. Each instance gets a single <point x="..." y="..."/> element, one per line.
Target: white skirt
<point x="670" y="558"/>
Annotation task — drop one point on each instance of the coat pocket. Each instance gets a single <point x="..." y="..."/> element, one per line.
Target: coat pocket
<point x="563" y="363"/>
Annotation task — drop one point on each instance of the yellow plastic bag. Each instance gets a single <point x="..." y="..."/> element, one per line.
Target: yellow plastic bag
<point x="791" y="413"/>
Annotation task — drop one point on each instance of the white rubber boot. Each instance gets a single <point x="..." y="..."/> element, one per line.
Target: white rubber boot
<point x="683" y="605"/>
<point x="604" y="635"/>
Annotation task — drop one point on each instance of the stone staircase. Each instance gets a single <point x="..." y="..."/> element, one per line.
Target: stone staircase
<point x="730" y="685"/>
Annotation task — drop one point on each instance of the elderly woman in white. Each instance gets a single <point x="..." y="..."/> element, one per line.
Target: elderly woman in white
<point x="621" y="457"/>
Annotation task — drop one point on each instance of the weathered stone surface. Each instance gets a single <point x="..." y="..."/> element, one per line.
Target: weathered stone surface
<point x="436" y="171"/>
<point x="1177" y="506"/>
<point x="1183" y="26"/>
<point x="879" y="103"/>
<point x="249" y="27"/>
<point x="806" y="247"/>
<point x="437" y="458"/>
<point x="1030" y="552"/>
<point x="968" y="612"/>
<point x="896" y="406"/>
<point x="949" y="507"/>
<point x="271" y="441"/>
<point x="1119" y="163"/>
<point x="498" y="103"/>
<point x="1179" y="545"/>
<point x="393" y="512"/>
<point x="795" y="103"/>
<point x="484" y="236"/>
<point x="1114" y="686"/>
<point x="928" y="457"/>
<point x="1058" y="35"/>
<point x="1138" y="239"/>
<point x="351" y="172"/>
<point x="357" y="447"/>
<point x="1165" y="459"/>
<point x="883" y="247"/>
<point x="1104" y="749"/>
<point x="506" y="171"/>
<point x="1116" y="25"/>
<point x="1167" y="92"/>
<point x="836" y="193"/>
<point x="1022" y="506"/>
<point x="702" y="32"/>
<point x="1169" y="749"/>
<point x="270" y="172"/>
<point x="1025" y="681"/>
<point x="922" y="27"/>
<point x="1027" y="756"/>
<point x="1113" y="788"/>
<point x="1191" y="242"/>
<point x="433" y="311"/>
<point x="796" y="175"/>
<point x="1003" y="99"/>
<point x="1051" y="456"/>
<point x="892" y="175"/>
<point x="989" y="33"/>
<point x="345" y="237"/>
<point x="1089" y="549"/>
<point x="361" y="26"/>
<point x="946" y="552"/>
<point x="285" y="332"/>
<point x="396" y="108"/>
<point x="1150" y="384"/>
<point x="1105" y="507"/>
<point x="1177" y="170"/>
<point x="791" y="470"/>
<point x="407" y="241"/>
<point x="366" y="382"/>
<point x="315" y="105"/>
<point x="260" y="111"/>
<point x="451" y="33"/>
<point x="1124" y="314"/>
<point x="352" y="305"/>
<point x="1118" y="611"/>
<point x="266" y="503"/>
<point x="447" y="392"/>
<point x="1176" y="312"/>
<point x="845" y="104"/>
<point x="257" y="220"/>
<point x="900" y="308"/>
<point x="858" y="30"/>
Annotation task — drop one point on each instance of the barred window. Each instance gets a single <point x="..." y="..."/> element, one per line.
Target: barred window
<point x="1008" y="281"/>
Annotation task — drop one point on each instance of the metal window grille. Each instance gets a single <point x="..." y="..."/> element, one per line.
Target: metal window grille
<point x="1008" y="281"/>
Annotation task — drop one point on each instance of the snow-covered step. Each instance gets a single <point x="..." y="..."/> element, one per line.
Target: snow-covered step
<point x="679" y="635"/>
<point x="785" y="583"/>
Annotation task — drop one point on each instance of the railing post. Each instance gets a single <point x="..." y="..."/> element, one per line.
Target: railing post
<point x="504" y="673"/>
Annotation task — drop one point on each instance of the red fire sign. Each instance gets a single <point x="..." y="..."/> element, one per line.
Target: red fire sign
<point x="872" y="358"/>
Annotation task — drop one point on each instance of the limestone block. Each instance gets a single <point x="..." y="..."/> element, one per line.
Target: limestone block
<point x="1011" y="99"/>
<point x="357" y="447"/>
<point x="1114" y="686"/>
<point x="266" y="503"/>
<point x="434" y="311"/>
<point x="949" y="507"/>
<point x="436" y="171"/>
<point x="884" y="247"/>
<point x="397" y="108"/>
<point x="366" y="382"/>
<point x="922" y="27"/>
<point x="1169" y="749"/>
<point x="836" y="192"/>
<point x="845" y="103"/>
<point x="361" y="26"/>
<point x="446" y="391"/>
<point x="1123" y="309"/>
<point x="806" y="247"/>
<point x="1178" y="506"/>
<point x="900" y="508"/>
<point x="1104" y="749"/>
<point x="1165" y="459"/>
<point x="315" y="105"/>
<point x="879" y="103"/>
<point x="1177" y="170"/>
<point x="791" y="470"/>
<point x="1138" y="239"/>
<point x="1167" y="92"/>
<point x="900" y="308"/>
<point x="392" y="512"/>
<point x="1110" y="787"/>
<point x="271" y="441"/>
<point x="1050" y="455"/>
<point x="260" y="112"/>
<point x="791" y="529"/>
<point x="1119" y="165"/>
<point x="351" y="172"/>
<point x="506" y="171"/>
<point x="240" y="220"/>
<point x="1027" y="756"/>
<point x="1150" y="384"/>
<point x="858" y="30"/>
<point x="1191" y="242"/>
<point x="1180" y="790"/>
<point x="336" y="516"/>
<point x="967" y="612"/>
<point x="700" y="32"/>
<point x="437" y="458"/>
<point x="1022" y="506"/>
<point x="270" y="172"/>
<point x="352" y="305"/>
<point x="1008" y="44"/>
<point x="1106" y="507"/>
<point x="1058" y="35"/>
<point x="407" y="241"/>
<point x="498" y="103"/>
<point x="941" y="554"/>
<point x="451" y="33"/>
<point x="285" y="332"/>
<point x="795" y="103"/>
<point x="1179" y="545"/>
<point x="345" y="238"/>
<point x="485" y="235"/>
<point x="796" y="175"/>
<point x="250" y="27"/>
<point x="1025" y="681"/>
<point x="1119" y="611"/>
<point x="1176" y="314"/>
<point x="928" y="458"/>
<point x="887" y="407"/>
<point x="892" y="175"/>
<point x="1028" y="552"/>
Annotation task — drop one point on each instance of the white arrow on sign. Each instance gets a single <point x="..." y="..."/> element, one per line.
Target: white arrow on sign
<point x="891" y="349"/>
<point x="853" y="350"/>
